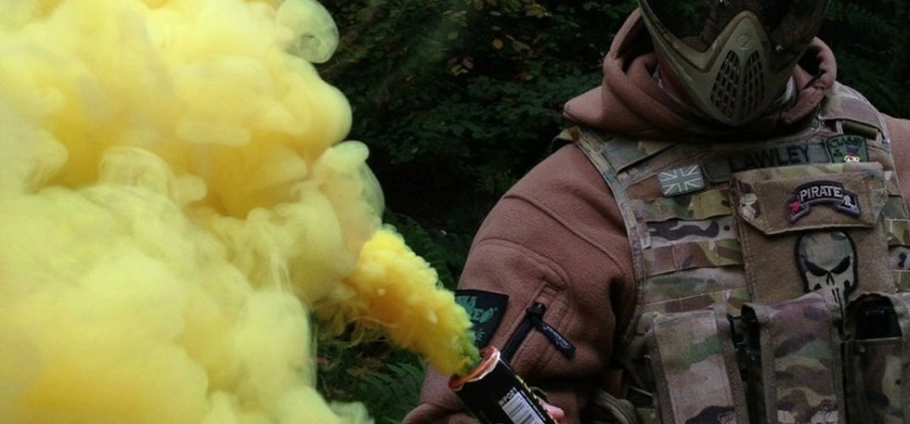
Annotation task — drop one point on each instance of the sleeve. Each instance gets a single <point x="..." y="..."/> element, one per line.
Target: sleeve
<point x="556" y="240"/>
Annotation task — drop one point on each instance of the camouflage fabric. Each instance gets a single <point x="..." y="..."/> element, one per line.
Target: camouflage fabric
<point x="847" y="106"/>
<point x="692" y="252"/>
<point x="683" y="284"/>
<point x="898" y="232"/>
<point x="675" y="231"/>
<point x="778" y="216"/>
<point x="894" y="207"/>
<point x="763" y="197"/>
<point x="899" y="258"/>
<point x="696" y="289"/>
<point x="891" y="184"/>
<point x="697" y="206"/>
<point x="621" y="154"/>
<point x="880" y="361"/>
<point x="801" y="364"/>
<point x="695" y="367"/>
<point x="901" y="280"/>
<point x="734" y="299"/>
<point x="899" y="250"/>
<point x="880" y="327"/>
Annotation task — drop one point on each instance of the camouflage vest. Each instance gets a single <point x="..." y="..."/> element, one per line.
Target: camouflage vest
<point x="769" y="273"/>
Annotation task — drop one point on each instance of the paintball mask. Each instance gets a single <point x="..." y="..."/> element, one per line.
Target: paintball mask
<point x="731" y="58"/>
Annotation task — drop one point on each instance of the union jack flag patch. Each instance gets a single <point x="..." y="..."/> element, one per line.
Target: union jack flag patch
<point x="679" y="181"/>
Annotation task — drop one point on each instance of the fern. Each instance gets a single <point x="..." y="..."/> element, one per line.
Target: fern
<point x="386" y="379"/>
<point x="395" y="391"/>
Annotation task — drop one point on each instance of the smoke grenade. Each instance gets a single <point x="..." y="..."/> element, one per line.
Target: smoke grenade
<point x="496" y="395"/>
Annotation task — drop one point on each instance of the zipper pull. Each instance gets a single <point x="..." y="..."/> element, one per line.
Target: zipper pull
<point x="562" y="344"/>
<point x="536" y="311"/>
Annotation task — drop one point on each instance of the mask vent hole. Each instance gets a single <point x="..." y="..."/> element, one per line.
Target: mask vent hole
<point x="753" y="85"/>
<point x="725" y="92"/>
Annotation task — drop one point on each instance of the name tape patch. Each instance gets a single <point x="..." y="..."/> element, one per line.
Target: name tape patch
<point x="800" y="154"/>
<point x="821" y="192"/>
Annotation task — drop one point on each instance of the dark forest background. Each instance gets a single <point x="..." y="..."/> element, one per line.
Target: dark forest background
<point x="457" y="99"/>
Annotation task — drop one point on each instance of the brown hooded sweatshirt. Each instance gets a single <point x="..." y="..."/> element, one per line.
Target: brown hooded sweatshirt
<point x="558" y="238"/>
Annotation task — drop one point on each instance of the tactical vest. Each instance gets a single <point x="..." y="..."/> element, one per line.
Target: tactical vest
<point x="770" y="274"/>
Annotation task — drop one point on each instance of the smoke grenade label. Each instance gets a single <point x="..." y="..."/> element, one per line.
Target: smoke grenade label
<point x="518" y="408"/>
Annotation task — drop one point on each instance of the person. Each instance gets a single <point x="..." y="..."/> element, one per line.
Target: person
<point x="723" y="218"/>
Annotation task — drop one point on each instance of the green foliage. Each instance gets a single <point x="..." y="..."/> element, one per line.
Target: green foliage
<point x="457" y="99"/>
<point x="872" y="45"/>
<point x="399" y="385"/>
<point x="383" y="378"/>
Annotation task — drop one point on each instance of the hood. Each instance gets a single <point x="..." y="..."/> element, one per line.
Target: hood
<point x="630" y="102"/>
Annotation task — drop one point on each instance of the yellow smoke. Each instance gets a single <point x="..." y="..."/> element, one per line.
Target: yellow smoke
<point x="393" y="290"/>
<point x="175" y="196"/>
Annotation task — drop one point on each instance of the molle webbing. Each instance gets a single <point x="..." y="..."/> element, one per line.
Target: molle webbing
<point x="694" y="363"/>
<point x="898" y="231"/>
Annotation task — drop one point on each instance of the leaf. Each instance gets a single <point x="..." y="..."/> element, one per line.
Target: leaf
<point x="536" y="11"/>
<point x="396" y="388"/>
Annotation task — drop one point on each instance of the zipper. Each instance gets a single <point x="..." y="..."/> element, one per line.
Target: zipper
<point x="521" y="333"/>
<point x="533" y="319"/>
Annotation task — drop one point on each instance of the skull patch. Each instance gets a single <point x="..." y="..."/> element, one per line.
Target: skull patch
<point x="827" y="263"/>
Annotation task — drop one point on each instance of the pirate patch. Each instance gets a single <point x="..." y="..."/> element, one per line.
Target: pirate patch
<point x="847" y="148"/>
<point x="827" y="264"/>
<point x="821" y="192"/>
<point x="485" y="309"/>
<point x="679" y="181"/>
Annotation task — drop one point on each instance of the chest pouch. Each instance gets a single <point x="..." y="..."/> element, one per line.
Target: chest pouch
<point x="878" y="359"/>
<point x="694" y="364"/>
<point x="793" y="361"/>
<point x="812" y="228"/>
